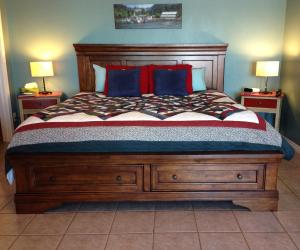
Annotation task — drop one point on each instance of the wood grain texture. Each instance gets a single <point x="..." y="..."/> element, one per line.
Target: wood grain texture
<point x="94" y="177"/>
<point x="211" y="57"/>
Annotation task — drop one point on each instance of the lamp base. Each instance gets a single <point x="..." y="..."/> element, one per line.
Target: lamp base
<point x="45" y="92"/>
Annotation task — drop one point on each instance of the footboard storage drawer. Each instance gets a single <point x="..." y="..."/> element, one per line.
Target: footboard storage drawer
<point x="107" y="178"/>
<point x="197" y="177"/>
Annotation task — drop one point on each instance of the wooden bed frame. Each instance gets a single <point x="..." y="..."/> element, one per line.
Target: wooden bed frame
<point x="246" y="178"/>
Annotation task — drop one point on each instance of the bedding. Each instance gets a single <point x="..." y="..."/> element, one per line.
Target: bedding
<point x="124" y="83"/>
<point x="170" y="82"/>
<point x="186" y="67"/>
<point x="91" y="122"/>
<point x="144" y="77"/>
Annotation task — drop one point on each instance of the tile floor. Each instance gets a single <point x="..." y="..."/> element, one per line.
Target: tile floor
<point x="159" y="226"/>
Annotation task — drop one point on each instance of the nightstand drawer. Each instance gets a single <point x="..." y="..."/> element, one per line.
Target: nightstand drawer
<point x="260" y="102"/>
<point x="38" y="104"/>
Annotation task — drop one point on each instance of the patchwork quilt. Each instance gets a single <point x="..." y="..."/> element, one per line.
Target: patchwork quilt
<point x="91" y="122"/>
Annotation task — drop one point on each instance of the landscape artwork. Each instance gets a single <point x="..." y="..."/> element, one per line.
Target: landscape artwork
<point x="148" y="16"/>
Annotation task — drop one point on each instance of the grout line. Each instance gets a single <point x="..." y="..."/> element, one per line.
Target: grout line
<point x="239" y="225"/>
<point x="293" y="239"/>
<point x="288" y="187"/>
<point x="113" y="221"/>
<point x="153" y="231"/>
<point x="285" y="231"/>
<point x="64" y="234"/>
<point x="198" y="233"/>
<point x="18" y="236"/>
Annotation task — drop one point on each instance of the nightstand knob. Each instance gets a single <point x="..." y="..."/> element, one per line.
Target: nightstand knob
<point x="239" y="176"/>
<point x="119" y="178"/>
<point x="174" y="177"/>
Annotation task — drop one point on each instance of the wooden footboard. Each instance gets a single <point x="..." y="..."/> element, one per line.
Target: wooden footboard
<point x="48" y="180"/>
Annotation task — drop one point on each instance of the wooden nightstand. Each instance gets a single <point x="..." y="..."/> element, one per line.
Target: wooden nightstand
<point x="29" y="105"/>
<point x="266" y="103"/>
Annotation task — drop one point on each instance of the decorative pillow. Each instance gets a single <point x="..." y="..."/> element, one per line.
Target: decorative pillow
<point x="100" y="75"/>
<point x="170" y="82"/>
<point x="198" y="79"/>
<point x="144" y="82"/>
<point x="124" y="83"/>
<point x="187" y="67"/>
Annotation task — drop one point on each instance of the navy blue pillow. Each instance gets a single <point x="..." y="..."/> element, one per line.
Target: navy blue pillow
<point x="124" y="83"/>
<point x="170" y="82"/>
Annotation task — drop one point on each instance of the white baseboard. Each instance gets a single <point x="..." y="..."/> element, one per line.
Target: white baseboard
<point x="294" y="145"/>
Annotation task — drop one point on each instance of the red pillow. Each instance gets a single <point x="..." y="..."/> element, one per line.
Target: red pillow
<point x="189" y="82"/>
<point x="144" y="76"/>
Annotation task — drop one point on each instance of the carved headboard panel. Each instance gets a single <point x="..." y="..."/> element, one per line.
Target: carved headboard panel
<point x="208" y="56"/>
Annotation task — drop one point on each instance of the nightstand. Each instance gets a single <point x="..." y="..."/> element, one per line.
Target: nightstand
<point x="265" y="103"/>
<point x="29" y="105"/>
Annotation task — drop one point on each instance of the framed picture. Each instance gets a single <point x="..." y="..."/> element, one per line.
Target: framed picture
<point x="148" y="16"/>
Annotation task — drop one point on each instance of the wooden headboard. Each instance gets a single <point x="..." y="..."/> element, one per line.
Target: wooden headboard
<point x="208" y="56"/>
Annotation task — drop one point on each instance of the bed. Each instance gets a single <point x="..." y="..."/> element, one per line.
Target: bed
<point x="54" y="175"/>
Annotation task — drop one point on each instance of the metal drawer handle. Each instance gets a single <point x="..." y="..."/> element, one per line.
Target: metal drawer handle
<point x="174" y="177"/>
<point x="119" y="178"/>
<point x="239" y="176"/>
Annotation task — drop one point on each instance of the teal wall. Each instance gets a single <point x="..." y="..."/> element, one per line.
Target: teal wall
<point x="46" y="29"/>
<point x="291" y="72"/>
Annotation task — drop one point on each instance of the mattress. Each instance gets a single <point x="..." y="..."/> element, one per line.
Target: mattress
<point x="92" y="122"/>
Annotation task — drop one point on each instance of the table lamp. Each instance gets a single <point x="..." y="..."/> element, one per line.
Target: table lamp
<point x="42" y="69"/>
<point x="267" y="69"/>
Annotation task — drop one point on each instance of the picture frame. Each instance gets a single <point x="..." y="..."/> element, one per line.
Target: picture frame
<point x="148" y="16"/>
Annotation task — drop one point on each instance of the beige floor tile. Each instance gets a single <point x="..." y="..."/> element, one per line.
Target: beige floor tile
<point x="258" y="222"/>
<point x="288" y="202"/>
<point x="130" y="242"/>
<point x="133" y="222"/>
<point x="175" y="221"/>
<point x="215" y="221"/>
<point x="178" y="241"/>
<point x="296" y="238"/>
<point x="6" y="241"/>
<point x="47" y="224"/>
<point x="10" y="208"/>
<point x="223" y="241"/>
<point x="36" y="242"/>
<point x="4" y="200"/>
<point x="290" y="220"/>
<point x="83" y="242"/>
<point x="282" y="187"/>
<point x="13" y="224"/>
<point x="269" y="241"/>
<point x="91" y="223"/>
<point x="293" y="182"/>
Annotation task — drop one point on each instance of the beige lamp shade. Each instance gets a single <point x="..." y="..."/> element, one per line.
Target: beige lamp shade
<point x="41" y="69"/>
<point x="267" y="68"/>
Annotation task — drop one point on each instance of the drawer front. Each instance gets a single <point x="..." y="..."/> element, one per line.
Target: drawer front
<point x="38" y="104"/>
<point x="109" y="178"/>
<point x="260" y="103"/>
<point x="207" y="177"/>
